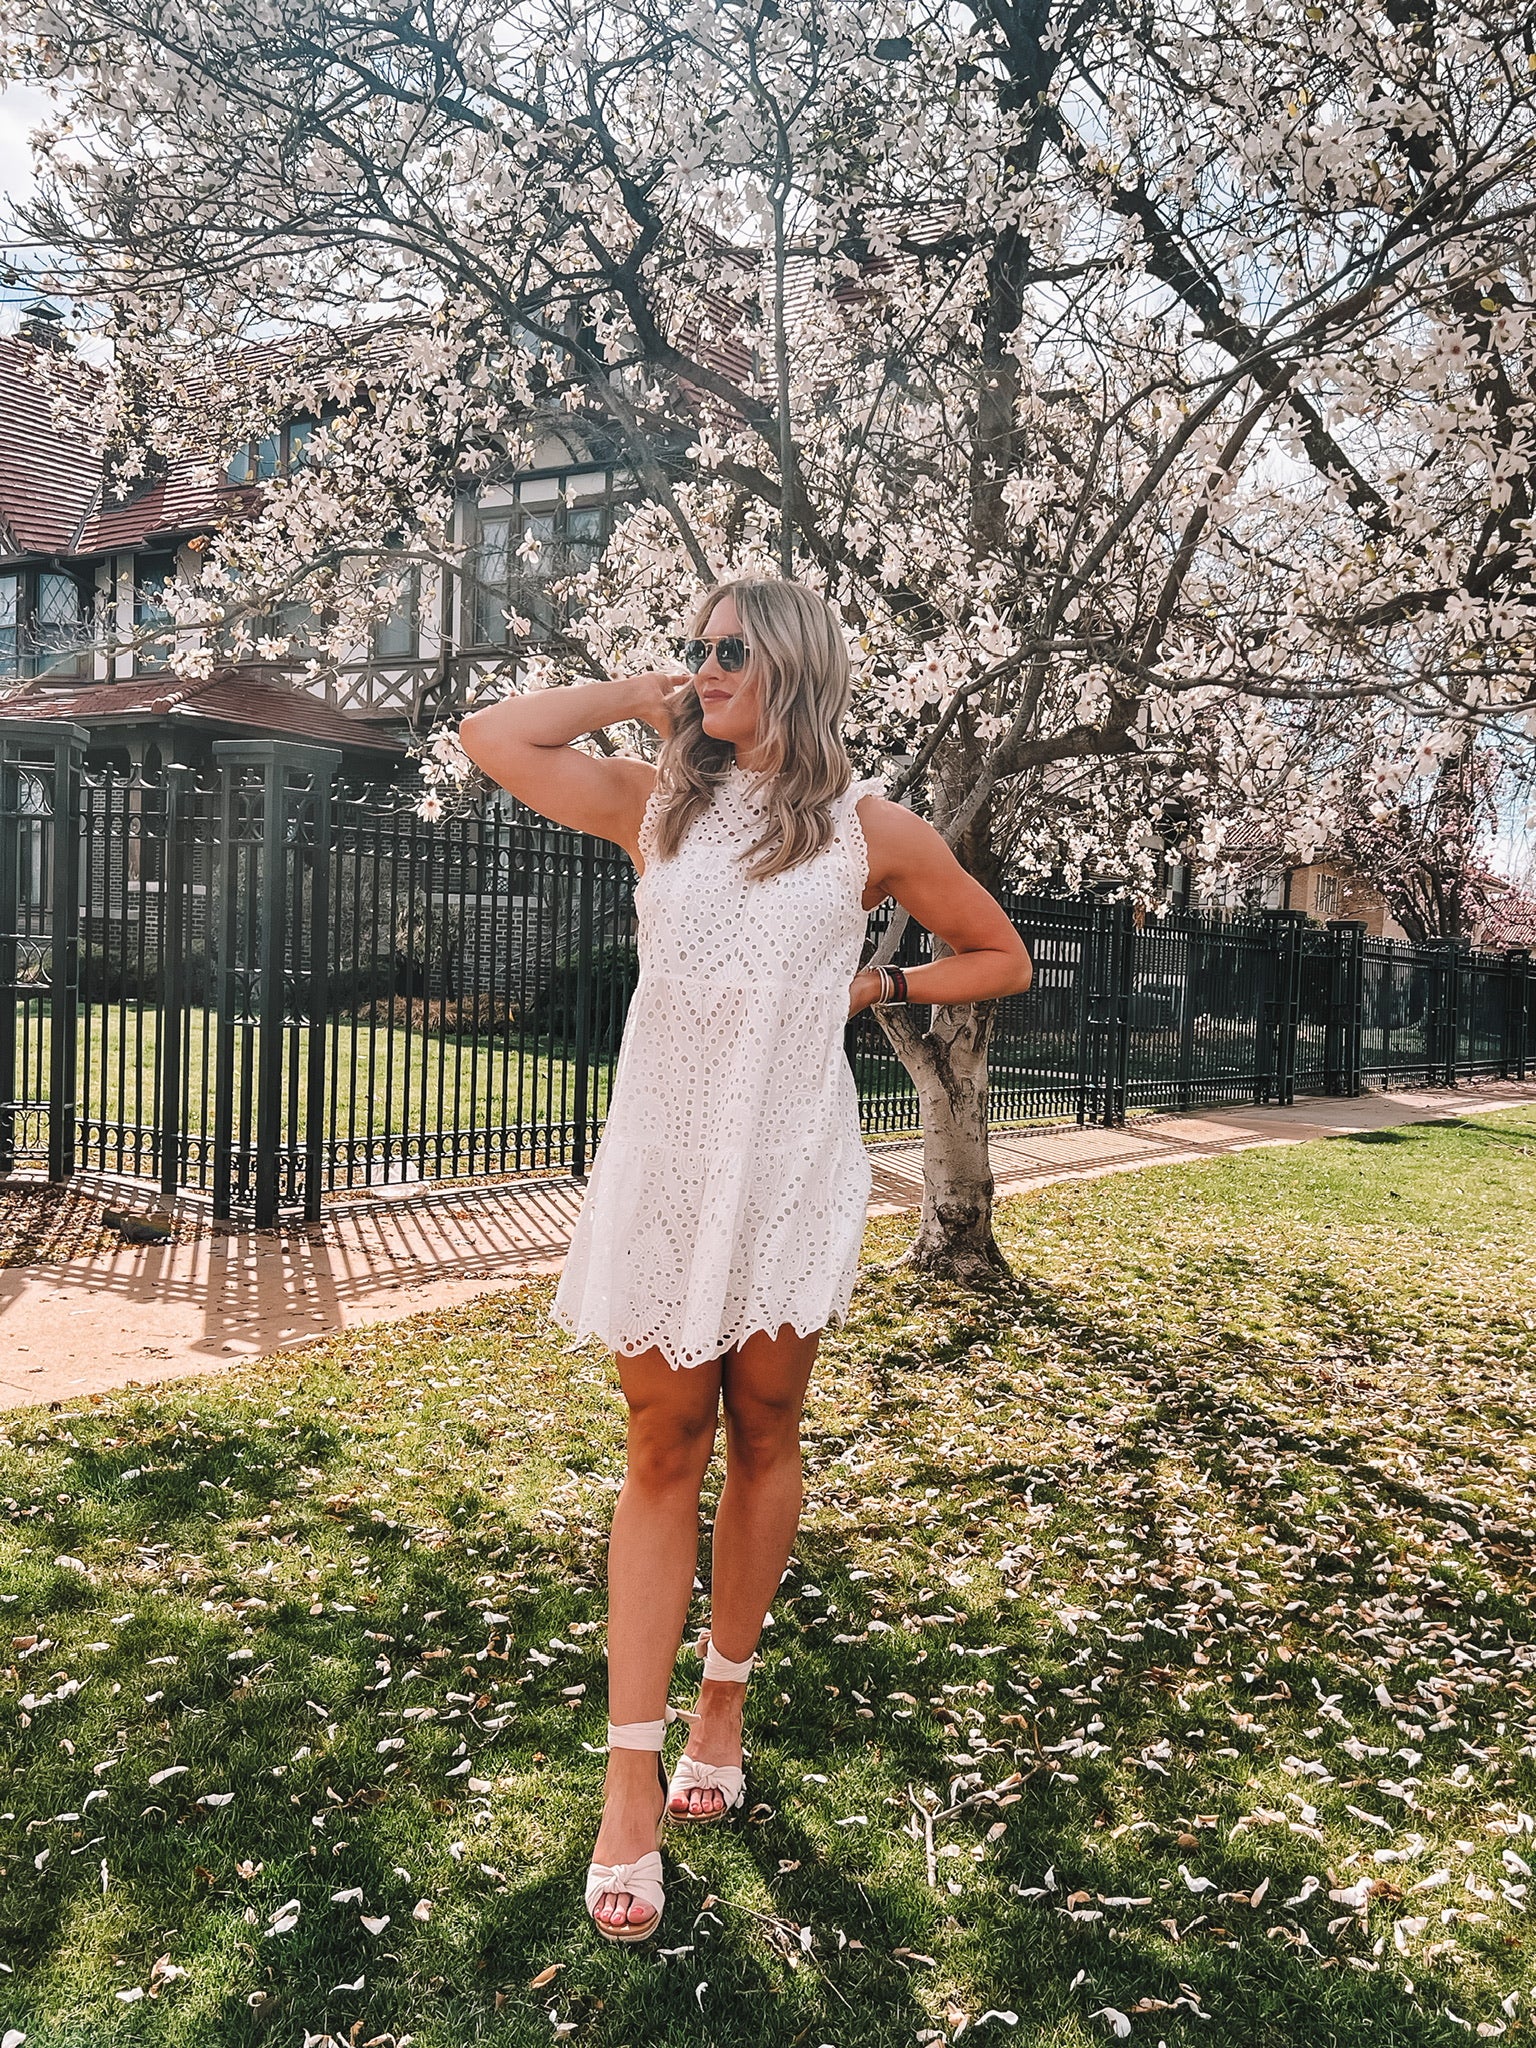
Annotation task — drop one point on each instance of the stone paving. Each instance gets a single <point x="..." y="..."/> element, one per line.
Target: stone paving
<point x="143" y="1313"/>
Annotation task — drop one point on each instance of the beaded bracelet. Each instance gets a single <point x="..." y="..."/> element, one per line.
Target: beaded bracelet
<point x="893" y="987"/>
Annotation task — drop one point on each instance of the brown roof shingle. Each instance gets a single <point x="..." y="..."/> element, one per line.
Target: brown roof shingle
<point x="52" y="498"/>
<point x="241" y="699"/>
<point x="50" y="471"/>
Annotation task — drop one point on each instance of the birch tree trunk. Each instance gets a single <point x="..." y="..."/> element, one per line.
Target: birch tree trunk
<point x="948" y="1065"/>
<point x="948" y="1061"/>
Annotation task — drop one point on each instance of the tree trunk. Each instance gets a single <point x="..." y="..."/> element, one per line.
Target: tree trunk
<point x="948" y="1065"/>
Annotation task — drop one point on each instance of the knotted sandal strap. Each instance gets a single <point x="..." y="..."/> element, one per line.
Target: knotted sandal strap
<point x="729" y="1780"/>
<point x="641" y="1879"/>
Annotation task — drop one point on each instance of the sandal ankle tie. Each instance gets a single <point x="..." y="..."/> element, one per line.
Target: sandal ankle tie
<point x="716" y="1666"/>
<point x="640" y="1734"/>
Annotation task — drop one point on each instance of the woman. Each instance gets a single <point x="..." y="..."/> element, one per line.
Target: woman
<point x="725" y="1209"/>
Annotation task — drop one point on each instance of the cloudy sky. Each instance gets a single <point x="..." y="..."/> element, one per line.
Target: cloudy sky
<point x="20" y="109"/>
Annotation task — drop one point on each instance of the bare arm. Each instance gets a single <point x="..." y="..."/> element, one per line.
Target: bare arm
<point x="910" y="861"/>
<point x="524" y="743"/>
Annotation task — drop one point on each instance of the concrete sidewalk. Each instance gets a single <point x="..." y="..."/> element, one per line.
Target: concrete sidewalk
<point x="156" y="1312"/>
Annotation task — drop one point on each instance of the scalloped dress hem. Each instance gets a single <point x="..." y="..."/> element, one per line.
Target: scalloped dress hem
<point x="626" y="1348"/>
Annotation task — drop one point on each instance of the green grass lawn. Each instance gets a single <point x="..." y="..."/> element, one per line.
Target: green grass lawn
<point x="1157" y="1654"/>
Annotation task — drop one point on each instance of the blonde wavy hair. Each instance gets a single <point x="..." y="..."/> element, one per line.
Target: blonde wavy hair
<point x="799" y="660"/>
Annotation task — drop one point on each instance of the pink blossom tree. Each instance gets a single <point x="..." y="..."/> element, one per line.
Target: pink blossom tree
<point x="1151" y="393"/>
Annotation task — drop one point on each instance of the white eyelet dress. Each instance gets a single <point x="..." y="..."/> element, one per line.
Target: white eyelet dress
<point x="729" y="1190"/>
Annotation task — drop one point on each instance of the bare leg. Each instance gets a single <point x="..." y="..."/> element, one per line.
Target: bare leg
<point x="652" y="1555"/>
<point x="764" y="1381"/>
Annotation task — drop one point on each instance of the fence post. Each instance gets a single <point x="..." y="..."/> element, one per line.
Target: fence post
<point x="1277" y="1077"/>
<point x="1115" y="965"/>
<point x="1346" y="994"/>
<point x="316" y="815"/>
<point x="1436" y="1007"/>
<point x="275" y="804"/>
<point x="1458" y="975"/>
<point x="173" y="940"/>
<point x="1194" y="963"/>
<point x="34" y="751"/>
<point x="1442" y="1035"/>
<point x="1516" y="1011"/>
<point x="582" y="855"/>
<point x="10" y="949"/>
<point x="1085" y="1035"/>
<point x="1098" y="1014"/>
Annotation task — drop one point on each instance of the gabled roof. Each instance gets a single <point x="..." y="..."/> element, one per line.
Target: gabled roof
<point x="52" y="480"/>
<point x="186" y="499"/>
<point x="50" y="470"/>
<point x="53" y="496"/>
<point x="234" y="699"/>
<point x="1511" y="921"/>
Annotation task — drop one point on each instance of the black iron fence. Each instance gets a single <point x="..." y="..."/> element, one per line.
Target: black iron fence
<point x="254" y="980"/>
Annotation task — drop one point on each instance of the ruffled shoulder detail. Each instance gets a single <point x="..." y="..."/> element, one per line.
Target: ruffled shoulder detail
<point x="853" y="830"/>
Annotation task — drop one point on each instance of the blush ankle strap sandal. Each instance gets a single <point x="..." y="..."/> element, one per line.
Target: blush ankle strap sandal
<point x="641" y="1879"/>
<point x="729" y="1780"/>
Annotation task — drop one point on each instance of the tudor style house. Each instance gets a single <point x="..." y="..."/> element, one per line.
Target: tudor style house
<point x="1259" y="876"/>
<point x="82" y="570"/>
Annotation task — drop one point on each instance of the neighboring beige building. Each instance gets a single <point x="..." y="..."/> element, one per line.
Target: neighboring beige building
<point x="1260" y="878"/>
<point x="1328" y="889"/>
<point x="1510" y="920"/>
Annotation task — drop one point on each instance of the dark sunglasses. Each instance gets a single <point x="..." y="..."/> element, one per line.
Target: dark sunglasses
<point x="731" y="652"/>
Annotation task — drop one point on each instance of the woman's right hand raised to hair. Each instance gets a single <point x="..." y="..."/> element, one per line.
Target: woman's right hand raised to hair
<point x="656" y="698"/>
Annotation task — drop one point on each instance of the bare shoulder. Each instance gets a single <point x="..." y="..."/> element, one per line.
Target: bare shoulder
<point x="899" y="844"/>
<point x="895" y="827"/>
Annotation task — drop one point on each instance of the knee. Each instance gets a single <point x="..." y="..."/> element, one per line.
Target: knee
<point x="762" y="1437"/>
<point x="668" y="1455"/>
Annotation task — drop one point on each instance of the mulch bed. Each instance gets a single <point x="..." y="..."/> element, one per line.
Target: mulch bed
<point x="55" y="1226"/>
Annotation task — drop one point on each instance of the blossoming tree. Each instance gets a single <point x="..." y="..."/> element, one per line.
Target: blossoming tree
<point x="1151" y="392"/>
